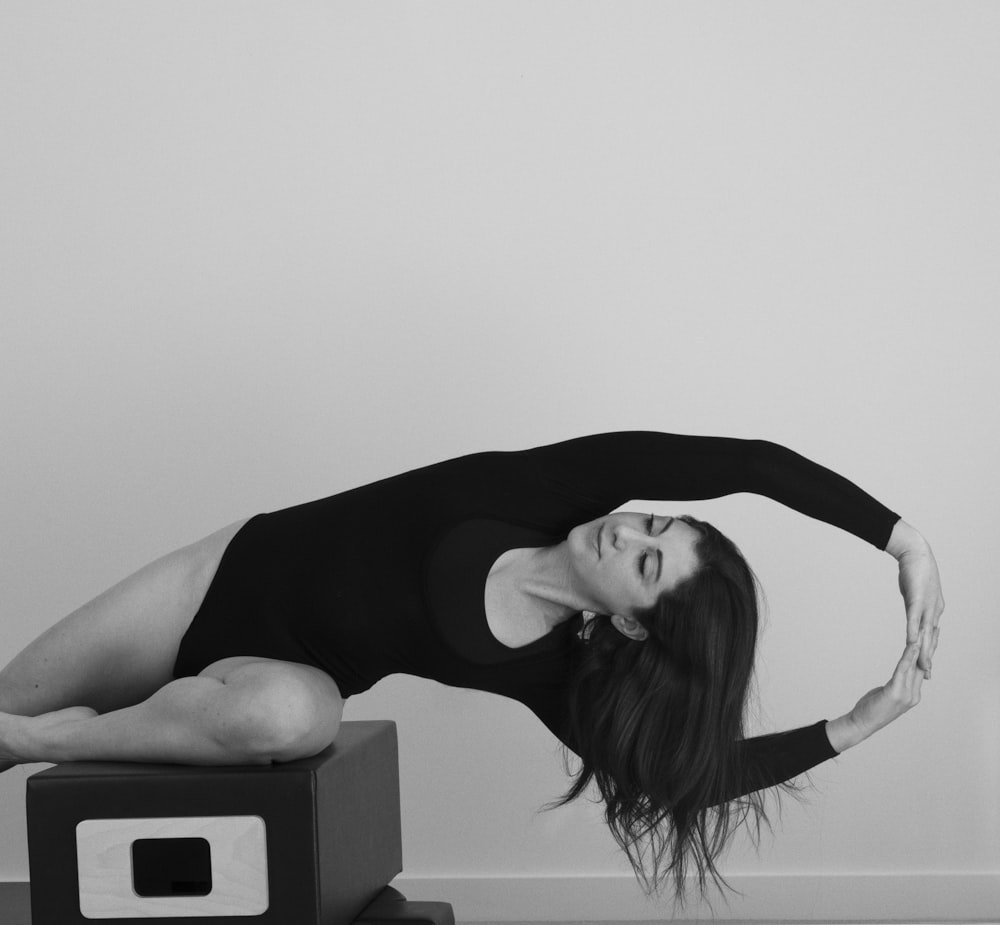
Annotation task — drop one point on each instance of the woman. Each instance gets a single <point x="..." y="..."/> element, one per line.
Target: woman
<point x="477" y="572"/>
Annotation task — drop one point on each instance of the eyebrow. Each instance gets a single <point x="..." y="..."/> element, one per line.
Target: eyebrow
<point x="659" y="553"/>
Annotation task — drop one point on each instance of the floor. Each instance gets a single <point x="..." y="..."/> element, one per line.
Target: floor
<point x="15" y="909"/>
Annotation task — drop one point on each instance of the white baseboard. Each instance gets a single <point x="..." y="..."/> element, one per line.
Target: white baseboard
<point x="945" y="898"/>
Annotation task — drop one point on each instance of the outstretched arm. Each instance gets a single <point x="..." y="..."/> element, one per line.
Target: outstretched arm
<point x="772" y="759"/>
<point x="610" y="469"/>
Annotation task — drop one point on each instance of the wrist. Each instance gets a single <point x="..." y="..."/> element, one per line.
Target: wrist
<point x="905" y="538"/>
<point x="843" y="733"/>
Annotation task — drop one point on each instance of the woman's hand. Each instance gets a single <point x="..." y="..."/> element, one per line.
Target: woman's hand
<point x="920" y="585"/>
<point x="881" y="705"/>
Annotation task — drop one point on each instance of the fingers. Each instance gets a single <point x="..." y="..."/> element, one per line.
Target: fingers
<point x="926" y="638"/>
<point x="914" y="678"/>
<point x="908" y="677"/>
<point x="913" y="620"/>
<point x="928" y="648"/>
<point x="925" y="645"/>
<point x="922" y="626"/>
<point x="916" y="623"/>
<point x="907" y="664"/>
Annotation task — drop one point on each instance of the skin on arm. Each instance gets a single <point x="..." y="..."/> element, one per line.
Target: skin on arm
<point x="881" y="705"/>
<point x="920" y="585"/>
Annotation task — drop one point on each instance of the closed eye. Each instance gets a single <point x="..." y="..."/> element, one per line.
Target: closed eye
<point x="645" y="555"/>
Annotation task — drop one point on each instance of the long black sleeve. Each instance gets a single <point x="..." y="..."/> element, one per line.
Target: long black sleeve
<point x="768" y="760"/>
<point x="780" y="756"/>
<point x="613" y="468"/>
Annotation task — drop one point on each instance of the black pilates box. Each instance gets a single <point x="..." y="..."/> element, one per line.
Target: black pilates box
<point x="309" y="842"/>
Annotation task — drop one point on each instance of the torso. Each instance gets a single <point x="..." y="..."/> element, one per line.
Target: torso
<point x="509" y="615"/>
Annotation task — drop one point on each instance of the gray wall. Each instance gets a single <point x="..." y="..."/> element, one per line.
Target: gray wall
<point x="253" y="254"/>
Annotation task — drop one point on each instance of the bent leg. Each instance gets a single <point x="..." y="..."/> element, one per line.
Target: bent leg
<point x="118" y="649"/>
<point x="258" y="712"/>
<point x="302" y="701"/>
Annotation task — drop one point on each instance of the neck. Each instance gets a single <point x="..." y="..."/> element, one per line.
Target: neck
<point x="543" y="577"/>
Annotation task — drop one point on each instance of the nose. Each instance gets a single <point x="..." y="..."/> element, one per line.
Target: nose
<point x="626" y="535"/>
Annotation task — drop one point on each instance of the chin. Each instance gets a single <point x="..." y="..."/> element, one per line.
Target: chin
<point x="582" y="541"/>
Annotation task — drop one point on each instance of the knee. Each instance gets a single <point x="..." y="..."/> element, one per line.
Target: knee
<point x="284" y="715"/>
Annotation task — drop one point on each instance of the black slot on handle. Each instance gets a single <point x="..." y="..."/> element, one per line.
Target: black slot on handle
<point x="171" y="867"/>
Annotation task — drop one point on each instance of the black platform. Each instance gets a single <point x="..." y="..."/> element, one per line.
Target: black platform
<point x="309" y="842"/>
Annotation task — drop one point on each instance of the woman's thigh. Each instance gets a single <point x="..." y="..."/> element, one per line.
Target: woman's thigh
<point x="118" y="649"/>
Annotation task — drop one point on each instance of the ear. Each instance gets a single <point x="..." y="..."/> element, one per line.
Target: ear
<point x="629" y="626"/>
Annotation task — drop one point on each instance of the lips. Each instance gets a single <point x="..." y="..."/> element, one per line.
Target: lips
<point x="599" y="529"/>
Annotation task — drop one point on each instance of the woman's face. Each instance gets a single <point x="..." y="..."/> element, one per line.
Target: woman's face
<point x="623" y="562"/>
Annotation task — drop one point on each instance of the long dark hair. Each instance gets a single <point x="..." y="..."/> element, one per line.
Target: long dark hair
<point x="656" y="720"/>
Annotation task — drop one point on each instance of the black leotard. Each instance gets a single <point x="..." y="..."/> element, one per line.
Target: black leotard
<point x="389" y="577"/>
